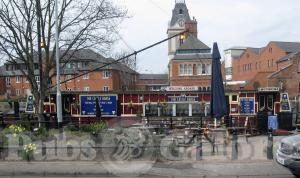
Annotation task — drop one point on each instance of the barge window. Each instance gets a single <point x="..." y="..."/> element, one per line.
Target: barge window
<point x="182" y="109"/>
<point x="261" y="102"/>
<point x="234" y="98"/>
<point x="197" y="110"/>
<point x="270" y="102"/>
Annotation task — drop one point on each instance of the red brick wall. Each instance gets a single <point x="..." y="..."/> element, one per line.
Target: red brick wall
<point x="195" y="80"/>
<point x="290" y="78"/>
<point x="263" y="62"/>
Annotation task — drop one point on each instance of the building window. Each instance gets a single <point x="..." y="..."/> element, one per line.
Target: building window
<point x="79" y="65"/>
<point x="204" y="69"/>
<point x="86" y="88"/>
<point x="18" y="79"/>
<point x="7" y="81"/>
<point x="86" y="76"/>
<point x="270" y="50"/>
<point x="106" y="74"/>
<point x="299" y="66"/>
<point x="106" y="88"/>
<point x="180" y="11"/>
<point x="268" y="63"/>
<point x="68" y="66"/>
<point x="18" y="92"/>
<point x="37" y="78"/>
<point x="8" y="93"/>
<point x="36" y="66"/>
<point x="69" y="89"/>
<point x="68" y="78"/>
<point x="186" y="69"/>
<point x="273" y="63"/>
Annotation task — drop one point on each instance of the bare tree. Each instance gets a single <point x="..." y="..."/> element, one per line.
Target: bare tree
<point x="130" y="62"/>
<point x="27" y="36"/>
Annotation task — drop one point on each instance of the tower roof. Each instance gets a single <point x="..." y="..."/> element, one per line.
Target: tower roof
<point x="180" y="12"/>
<point x="193" y="42"/>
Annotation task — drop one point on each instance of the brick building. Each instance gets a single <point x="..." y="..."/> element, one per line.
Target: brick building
<point x="275" y="65"/>
<point x="152" y="82"/>
<point x="255" y="60"/>
<point x="189" y="58"/>
<point x="114" y="77"/>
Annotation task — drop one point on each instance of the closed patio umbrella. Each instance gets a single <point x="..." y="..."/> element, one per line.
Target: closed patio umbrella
<point x="98" y="109"/>
<point x="218" y="100"/>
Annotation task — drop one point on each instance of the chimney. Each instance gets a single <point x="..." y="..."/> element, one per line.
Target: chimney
<point x="191" y="26"/>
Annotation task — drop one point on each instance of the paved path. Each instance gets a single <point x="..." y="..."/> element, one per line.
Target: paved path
<point x="227" y="169"/>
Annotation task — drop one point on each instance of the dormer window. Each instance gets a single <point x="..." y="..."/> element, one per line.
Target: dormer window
<point x="180" y="11"/>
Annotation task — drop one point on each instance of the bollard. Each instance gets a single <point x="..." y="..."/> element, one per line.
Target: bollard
<point x="1" y="144"/>
<point x="270" y="144"/>
<point x="234" y="153"/>
<point x="199" y="145"/>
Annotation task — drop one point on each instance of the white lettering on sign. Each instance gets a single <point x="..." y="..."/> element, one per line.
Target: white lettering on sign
<point x="270" y="89"/>
<point x="183" y="99"/>
<point x="182" y="88"/>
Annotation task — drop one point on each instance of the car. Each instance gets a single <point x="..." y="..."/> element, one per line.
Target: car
<point x="288" y="154"/>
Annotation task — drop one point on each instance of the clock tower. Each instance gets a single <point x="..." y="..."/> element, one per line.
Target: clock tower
<point x="180" y="22"/>
<point x="189" y="58"/>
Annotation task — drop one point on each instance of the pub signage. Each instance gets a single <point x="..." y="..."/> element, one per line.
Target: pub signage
<point x="108" y="104"/>
<point x="284" y="102"/>
<point x="247" y="105"/>
<point x="268" y="89"/>
<point x="182" y="88"/>
<point x="183" y="99"/>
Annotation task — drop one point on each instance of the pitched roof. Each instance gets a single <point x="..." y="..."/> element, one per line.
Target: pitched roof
<point x="257" y="50"/>
<point x="288" y="46"/>
<point x="193" y="42"/>
<point x="193" y="56"/>
<point x="94" y="60"/>
<point x="153" y="76"/>
<point x="279" y="71"/>
<point x="176" y="13"/>
<point x="286" y="58"/>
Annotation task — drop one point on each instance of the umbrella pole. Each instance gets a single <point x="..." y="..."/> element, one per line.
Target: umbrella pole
<point x="215" y="122"/>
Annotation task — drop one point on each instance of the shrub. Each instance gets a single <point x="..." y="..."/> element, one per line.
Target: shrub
<point x="94" y="128"/>
<point x="70" y="127"/>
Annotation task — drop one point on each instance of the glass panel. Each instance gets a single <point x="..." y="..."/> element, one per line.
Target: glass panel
<point x="167" y="109"/>
<point x="270" y="102"/>
<point x="261" y="102"/>
<point x="182" y="110"/>
<point x="197" y="110"/>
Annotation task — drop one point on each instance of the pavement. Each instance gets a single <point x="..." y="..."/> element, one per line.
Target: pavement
<point x="251" y="162"/>
<point x="170" y="169"/>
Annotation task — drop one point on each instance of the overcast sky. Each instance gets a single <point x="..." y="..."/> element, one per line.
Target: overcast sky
<point x="229" y="22"/>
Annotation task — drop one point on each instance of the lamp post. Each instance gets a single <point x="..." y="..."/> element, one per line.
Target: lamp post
<point x="58" y="92"/>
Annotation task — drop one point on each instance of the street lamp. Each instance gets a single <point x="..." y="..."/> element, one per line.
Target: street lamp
<point x="58" y="92"/>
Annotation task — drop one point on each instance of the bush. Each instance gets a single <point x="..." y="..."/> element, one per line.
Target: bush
<point x="70" y="127"/>
<point x="40" y="134"/>
<point x="94" y="128"/>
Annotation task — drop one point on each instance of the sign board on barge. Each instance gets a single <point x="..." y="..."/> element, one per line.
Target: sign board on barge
<point x="108" y="105"/>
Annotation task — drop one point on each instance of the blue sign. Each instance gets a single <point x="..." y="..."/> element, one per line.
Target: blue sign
<point x="108" y="105"/>
<point x="285" y="104"/>
<point x="272" y="122"/>
<point x="29" y="104"/>
<point x="247" y="105"/>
